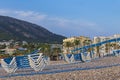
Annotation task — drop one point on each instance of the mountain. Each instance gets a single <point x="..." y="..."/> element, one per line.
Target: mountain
<point x="11" y="28"/>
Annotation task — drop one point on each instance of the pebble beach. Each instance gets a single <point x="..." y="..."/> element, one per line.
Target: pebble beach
<point x="107" y="73"/>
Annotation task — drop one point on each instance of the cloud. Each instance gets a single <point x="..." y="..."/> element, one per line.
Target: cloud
<point x="26" y="15"/>
<point x="30" y="15"/>
<point x="58" y="25"/>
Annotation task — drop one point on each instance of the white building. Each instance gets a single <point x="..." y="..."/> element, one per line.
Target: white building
<point x="102" y="49"/>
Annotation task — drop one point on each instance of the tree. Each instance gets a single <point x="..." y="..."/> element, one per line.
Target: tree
<point x="2" y="46"/>
<point x="76" y="44"/>
<point x="56" y="52"/>
<point x="68" y="45"/>
<point x="107" y="47"/>
<point x="46" y="49"/>
<point x="86" y="43"/>
<point x="98" y="50"/>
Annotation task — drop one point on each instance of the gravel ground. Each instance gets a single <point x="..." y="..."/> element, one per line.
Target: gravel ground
<point x="109" y="73"/>
<point x="112" y="73"/>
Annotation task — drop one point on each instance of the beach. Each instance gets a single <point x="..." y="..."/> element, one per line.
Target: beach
<point x="112" y="73"/>
<point x="104" y="73"/>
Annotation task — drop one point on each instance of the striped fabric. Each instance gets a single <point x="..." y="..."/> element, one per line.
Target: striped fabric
<point x="9" y="67"/>
<point x="69" y="59"/>
<point x="36" y="61"/>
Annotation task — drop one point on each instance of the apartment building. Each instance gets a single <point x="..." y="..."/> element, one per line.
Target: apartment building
<point x="106" y="48"/>
<point x="81" y="42"/>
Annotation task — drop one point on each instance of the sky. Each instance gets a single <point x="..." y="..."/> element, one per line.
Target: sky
<point x="68" y="17"/>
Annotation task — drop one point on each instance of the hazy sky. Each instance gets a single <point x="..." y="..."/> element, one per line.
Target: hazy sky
<point x="68" y="17"/>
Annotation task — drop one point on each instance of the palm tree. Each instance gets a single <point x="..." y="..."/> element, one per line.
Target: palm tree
<point x="107" y="45"/>
<point x="45" y="49"/>
<point x="76" y="44"/>
<point x="68" y="45"/>
<point x="114" y="45"/>
<point x="98" y="50"/>
<point x="87" y="42"/>
<point x="56" y="52"/>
